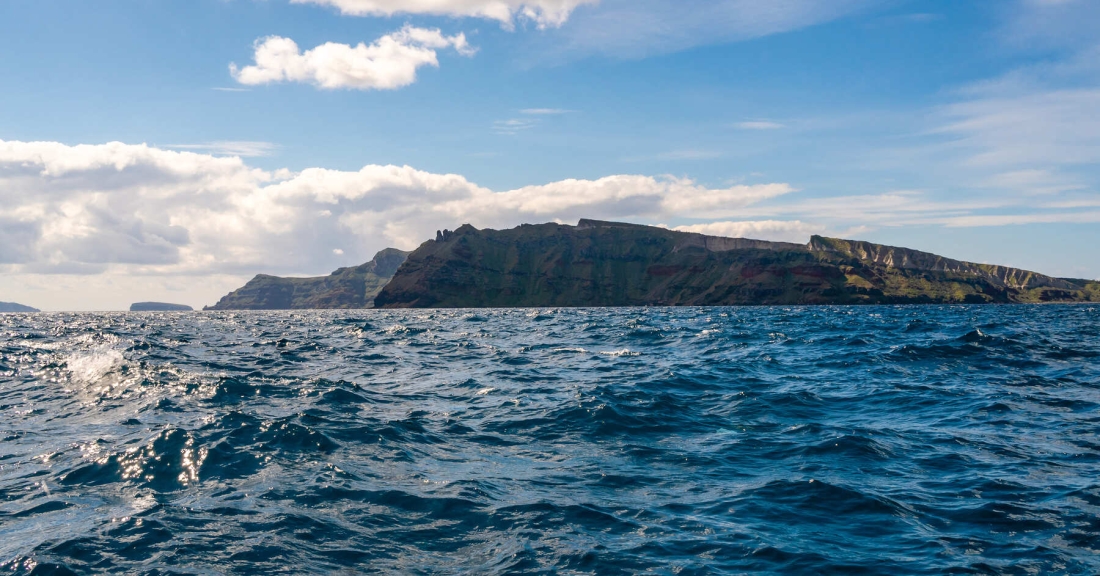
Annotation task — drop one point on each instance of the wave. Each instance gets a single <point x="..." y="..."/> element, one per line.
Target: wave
<point x="900" y="440"/>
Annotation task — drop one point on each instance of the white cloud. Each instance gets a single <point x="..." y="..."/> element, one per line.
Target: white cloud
<point x="513" y="126"/>
<point x="141" y="210"/>
<point x="544" y="13"/>
<point x="389" y="63"/>
<point x="774" y="230"/>
<point x="759" y="125"/>
<point x="243" y="148"/>
<point x="119" y="212"/>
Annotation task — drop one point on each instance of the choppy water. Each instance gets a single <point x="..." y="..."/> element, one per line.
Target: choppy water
<point x="877" y="440"/>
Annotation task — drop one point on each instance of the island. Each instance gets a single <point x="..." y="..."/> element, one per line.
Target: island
<point x="346" y="288"/>
<point x="159" y="307"/>
<point x="600" y="263"/>
<point x="13" y="307"/>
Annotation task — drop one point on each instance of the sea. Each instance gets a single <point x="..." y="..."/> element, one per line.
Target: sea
<point x="747" y="440"/>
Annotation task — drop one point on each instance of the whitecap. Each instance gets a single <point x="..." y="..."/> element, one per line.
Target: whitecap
<point x="623" y="352"/>
<point x="91" y="367"/>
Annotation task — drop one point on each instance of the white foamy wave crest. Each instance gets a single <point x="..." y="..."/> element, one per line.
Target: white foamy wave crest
<point x="91" y="367"/>
<point x="623" y="352"/>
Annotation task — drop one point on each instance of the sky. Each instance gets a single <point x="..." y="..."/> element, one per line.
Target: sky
<point x="169" y="150"/>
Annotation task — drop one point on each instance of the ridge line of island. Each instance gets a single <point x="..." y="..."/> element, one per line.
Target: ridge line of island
<point x="604" y="264"/>
<point x="610" y="264"/>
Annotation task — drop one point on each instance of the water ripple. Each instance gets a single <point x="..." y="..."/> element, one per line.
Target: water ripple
<point x="787" y="440"/>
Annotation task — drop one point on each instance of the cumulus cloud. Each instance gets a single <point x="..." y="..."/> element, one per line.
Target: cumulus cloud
<point x="131" y="214"/>
<point x="389" y="63"/>
<point x="544" y="13"/>
<point x="91" y="208"/>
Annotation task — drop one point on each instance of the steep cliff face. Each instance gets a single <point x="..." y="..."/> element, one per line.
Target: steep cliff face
<point x="345" y="288"/>
<point x="611" y="264"/>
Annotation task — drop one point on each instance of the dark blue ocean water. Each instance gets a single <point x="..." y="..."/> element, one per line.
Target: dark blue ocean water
<point x="788" y="440"/>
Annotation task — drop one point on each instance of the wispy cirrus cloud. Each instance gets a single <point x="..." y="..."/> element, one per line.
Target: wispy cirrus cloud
<point x="544" y="111"/>
<point x="242" y="148"/>
<point x="544" y="13"/>
<point x="513" y="126"/>
<point x="690" y="154"/>
<point x="389" y="63"/>
<point x="759" y="125"/>
<point x="636" y="28"/>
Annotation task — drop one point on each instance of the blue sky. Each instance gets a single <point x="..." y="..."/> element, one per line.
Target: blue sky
<point x="170" y="150"/>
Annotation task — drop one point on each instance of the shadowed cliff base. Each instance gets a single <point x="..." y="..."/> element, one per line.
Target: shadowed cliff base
<point x="612" y="264"/>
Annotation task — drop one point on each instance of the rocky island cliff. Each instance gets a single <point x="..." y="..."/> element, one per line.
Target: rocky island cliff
<point x="612" y="264"/>
<point x="353" y="287"/>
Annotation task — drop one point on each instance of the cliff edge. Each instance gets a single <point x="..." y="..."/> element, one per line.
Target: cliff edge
<point x="600" y="263"/>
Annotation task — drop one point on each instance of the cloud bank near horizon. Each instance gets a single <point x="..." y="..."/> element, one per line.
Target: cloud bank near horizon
<point x="138" y="209"/>
<point x="89" y="209"/>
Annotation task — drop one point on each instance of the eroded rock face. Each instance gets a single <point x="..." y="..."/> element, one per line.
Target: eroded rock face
<point x="895" y="257"/>
<point x="611" y="264"/>
<point x="353" y="287"/>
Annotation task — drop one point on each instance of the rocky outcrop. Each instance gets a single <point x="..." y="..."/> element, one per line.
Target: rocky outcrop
<point x="13" y="307"/>
<point x="353" y="287"/>
<point x="159" y="307"/>
<point x="612" y="264"/>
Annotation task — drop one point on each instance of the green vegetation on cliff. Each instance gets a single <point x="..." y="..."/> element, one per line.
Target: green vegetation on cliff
<point x="345" y="288"/>
<point x="611" y="264"/>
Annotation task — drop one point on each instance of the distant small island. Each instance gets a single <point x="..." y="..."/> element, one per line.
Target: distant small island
<point x="597" y="263"/>
<point x="159" y="307"/>
<point x="13" y="307"/>
<point x="346" y="288"/>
